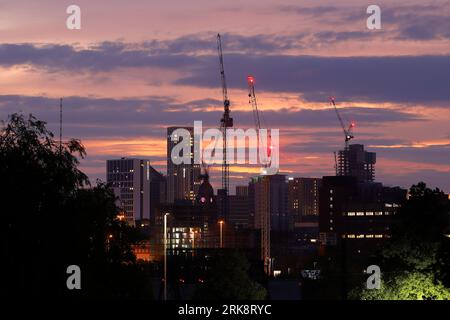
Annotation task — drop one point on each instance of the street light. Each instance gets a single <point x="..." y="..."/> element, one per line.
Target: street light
<point x="165" y="255"/>
<point x="221" y="222"/>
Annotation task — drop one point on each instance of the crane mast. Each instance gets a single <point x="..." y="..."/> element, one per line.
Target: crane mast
<point x="265" y="220"/>
<point x="225" y="122"/>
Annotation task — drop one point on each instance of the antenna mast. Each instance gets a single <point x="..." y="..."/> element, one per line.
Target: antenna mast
<point x="60" y="125"/>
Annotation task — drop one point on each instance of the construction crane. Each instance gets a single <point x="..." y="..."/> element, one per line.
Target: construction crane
<point x="348" y="134"/>
<point x="265" y="220"/>
<point x="225" y="122"/>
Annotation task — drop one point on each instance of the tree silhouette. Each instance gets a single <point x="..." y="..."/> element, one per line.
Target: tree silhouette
<point x="227" y="278"/>
<point x="415" y="262"/>
<point x="51" y="218"/>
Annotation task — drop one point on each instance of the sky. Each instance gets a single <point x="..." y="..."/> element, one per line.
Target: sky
<point x="137" y="67"/>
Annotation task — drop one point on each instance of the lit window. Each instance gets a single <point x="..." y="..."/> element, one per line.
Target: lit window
<point x="351" y="214"/>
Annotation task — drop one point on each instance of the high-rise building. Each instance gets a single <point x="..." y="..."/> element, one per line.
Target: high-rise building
<point x="303" y="195"/>
<point x="182" y="179"/>
<point x="242" y="191"/>
<point x="271" y="193"/>
<point x="356" y="162"/>
<point x="129" y="178"/>
<point x="157" y="191"/>
<point x="239" y="213"/>
<point x="303" y="198"/>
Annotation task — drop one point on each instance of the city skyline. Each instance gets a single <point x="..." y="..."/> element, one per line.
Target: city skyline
<point x="124" y="83"/>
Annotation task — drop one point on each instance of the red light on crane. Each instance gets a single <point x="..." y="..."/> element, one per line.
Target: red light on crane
<point x="250" y="79"/>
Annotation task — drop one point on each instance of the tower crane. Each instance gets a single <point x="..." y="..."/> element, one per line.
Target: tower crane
<point x="348" y="134"/>
<point x="265" y="220"/>
<point x="225" y="122"/>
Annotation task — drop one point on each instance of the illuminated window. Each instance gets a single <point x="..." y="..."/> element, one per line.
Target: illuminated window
<point x="351" y="214"/>
<point x="378" y="236"/>
<point x="351" y="236"/>
<point x="369" y="213"/>
<point x="360" y="213"/>
<point x="359" y="236"/>
<point x="369" y="236"/>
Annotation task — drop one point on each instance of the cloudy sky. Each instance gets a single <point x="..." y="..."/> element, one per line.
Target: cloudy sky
<point x="138" y="66"/>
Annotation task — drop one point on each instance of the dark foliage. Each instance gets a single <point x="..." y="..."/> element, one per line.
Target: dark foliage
<point x="51" y="218"/>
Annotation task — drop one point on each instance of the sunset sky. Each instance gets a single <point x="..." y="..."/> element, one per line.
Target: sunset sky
<point x="136" y="67"/>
